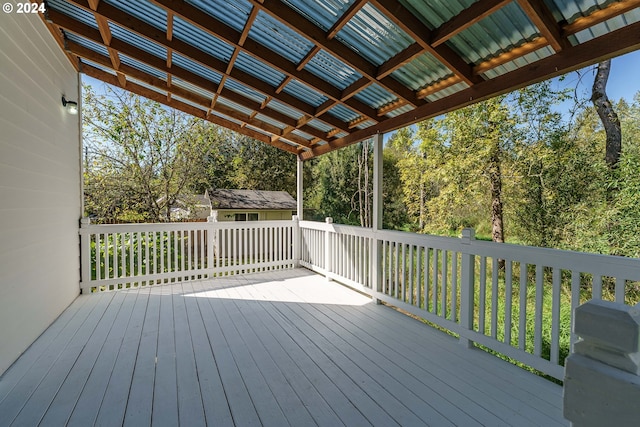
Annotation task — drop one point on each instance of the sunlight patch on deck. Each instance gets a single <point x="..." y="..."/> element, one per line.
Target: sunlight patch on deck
<point x="310" y="289"/>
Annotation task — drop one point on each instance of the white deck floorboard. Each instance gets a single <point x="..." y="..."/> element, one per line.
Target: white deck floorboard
<point x="273" y="349"/>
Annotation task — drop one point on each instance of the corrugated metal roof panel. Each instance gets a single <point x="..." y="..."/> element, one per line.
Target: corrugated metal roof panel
<point x="365" y="125"/>
<point x="373" y="35"/>
<point x="495" y="34"/>
<point x="196" y="68"/>
<point x="401" y="110"/>
<point x="436" y="12"/>
<point x="323" y="13"/>
<point x="279" y="38"/>
<point x="98" y="66"/>
<point x="244" y="90"/>
<point x="191" y="103"/>
<point x="258" y="69"/>
<point x="232" y="12"/>
<point x="320" y="125"/>
<point x="271" y="121"/>
<point x="147" y="86"/>
<point x="331" y="69"/>
<point x="375" y="96"/>
<point x="73" y="11"/>
<point x="304" y="93"/>
<point x="571" y="10"/>
<point x="343" y="113"/>
<point x="228" y="103"/>
<point x="201" y="39"/>
<point x="519" y="62"/>
<point x="192" y="88"/>
<point x="422" y="71"/>
<point x="447" y="91"/>
<point x="145" y="11"/>
<point x="302" y="134"/>
<point x="138" y="41"/>
<point x="101" y="49"/>
<point x="142" y="67"/>
<point x="284" y="109"/>
<point x="258" y="130"/>
<point x="612" y="24"/>
<point x="231" y="119"/>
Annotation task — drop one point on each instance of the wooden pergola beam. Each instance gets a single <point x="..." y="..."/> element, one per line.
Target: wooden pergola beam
<point x="196" y="54"/>
<point x="186" y="108"/>
<point x="219" y="29"/>
<point x="623" y="41"/>
<point x="409" y="23"/>
<point x="345" y="18"/>
<point x="309" y="30"/>
<point x="543" y="19"/>
<point x="184" y="75"/>
<point x="465" y="19"/>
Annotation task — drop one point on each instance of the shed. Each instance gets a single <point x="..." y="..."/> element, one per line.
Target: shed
<point x="251" y="205"/>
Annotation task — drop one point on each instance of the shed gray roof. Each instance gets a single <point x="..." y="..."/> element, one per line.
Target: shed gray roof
<point x="251" y="199"/>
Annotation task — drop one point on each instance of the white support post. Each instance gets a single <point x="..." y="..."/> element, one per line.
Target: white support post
<point x="297" y="241"/>
<point x="602" y="376"/>
<point x="327" y="250"/>
<point x="300" y="189"/>
<point x="467" y="290"/>
<point x="210" y="248"/>
<point x="376" y="259"/>
<point x="85" y="254"/>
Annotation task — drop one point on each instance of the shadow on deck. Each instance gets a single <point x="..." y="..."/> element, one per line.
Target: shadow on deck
<point x="278" y="348"/>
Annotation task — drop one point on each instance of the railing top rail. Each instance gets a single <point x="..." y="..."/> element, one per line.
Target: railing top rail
<point x="605" y="265"/>
<point x="179" y="226"/>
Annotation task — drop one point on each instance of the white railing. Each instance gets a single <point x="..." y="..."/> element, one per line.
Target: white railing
<point x="514" y="300"/>
<point x="129" y="255"/>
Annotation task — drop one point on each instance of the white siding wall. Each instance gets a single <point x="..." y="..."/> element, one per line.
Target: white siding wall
<point x="40" y="197"/>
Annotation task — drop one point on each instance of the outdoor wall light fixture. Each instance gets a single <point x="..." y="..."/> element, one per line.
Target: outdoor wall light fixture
<point x="71" y="106"/>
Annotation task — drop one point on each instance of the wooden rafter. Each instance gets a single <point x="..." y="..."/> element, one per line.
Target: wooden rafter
<point x="465" y="19"/>
<point x="409" y="23"/>
<point x="194" y="53"/>
<point x="256" y="50"/>
<point x="98" y="58"/>
<point x="606" y="46"/>
<point x="600" y="15"/>
<point x="543" y="19"/>
<point x="189" y="109"/>
<point x="399" y="60"/>
<point x="345" y="18"/>
<point x="316" y="35"/>
<point x="271" y="124"/>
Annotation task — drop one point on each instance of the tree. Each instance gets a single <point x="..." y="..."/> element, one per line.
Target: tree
<point x="607" y="114"/>
<point x="140" y="155"/>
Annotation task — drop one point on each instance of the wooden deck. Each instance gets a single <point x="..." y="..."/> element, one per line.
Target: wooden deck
<point x="279" y="348"/>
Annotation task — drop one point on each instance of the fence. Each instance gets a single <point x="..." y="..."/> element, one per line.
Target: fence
<point x="129" y="255"/>
<point x="514" y="300"/>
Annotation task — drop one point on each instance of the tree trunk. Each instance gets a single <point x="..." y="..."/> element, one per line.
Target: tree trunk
<point x="607" y="114"/>
<point x="495" y="180"/>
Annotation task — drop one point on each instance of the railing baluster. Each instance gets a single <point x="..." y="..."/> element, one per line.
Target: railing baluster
<point x="435" y="282"/>
<point x="454" y="286"/>
<point x="494" y="298"/>
<point x="555" y="317"/>
<point x="443" y="284"/>
<point x="537" y="335"/>
<point x="522" y="325"/>
<point x="482" y="294"/>
<point x="508" y="300"/>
